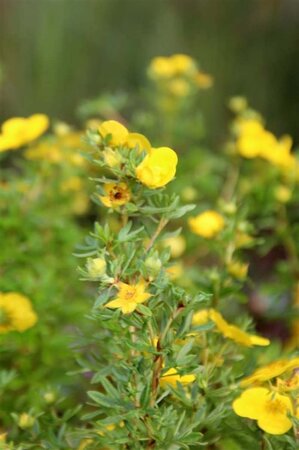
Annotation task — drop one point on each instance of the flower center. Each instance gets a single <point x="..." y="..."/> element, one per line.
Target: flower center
<point x="130" y="293"/>
<point x="276" y="406"/>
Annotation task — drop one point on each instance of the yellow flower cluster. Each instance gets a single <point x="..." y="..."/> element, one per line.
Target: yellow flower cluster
<point x="155" y="170"/>
<point x="19" y="131"/>
<point x="16" y="313"/>
<point x="129" y="297"/>
<point x="228" y="330"/>
<point x="271" y="407"/>
<point x="178" y="74"/>
<point x="207" y="224"/>
<point x="254" y="141"/>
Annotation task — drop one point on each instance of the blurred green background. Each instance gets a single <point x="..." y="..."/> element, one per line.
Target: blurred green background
<point x="55" y="53"/>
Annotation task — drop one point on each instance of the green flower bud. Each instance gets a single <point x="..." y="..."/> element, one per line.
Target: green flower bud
<point x="96" y="267"/>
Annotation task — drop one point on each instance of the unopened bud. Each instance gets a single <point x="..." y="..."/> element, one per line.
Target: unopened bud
<point x="26" y="421"/>
<point x="96" y="267"/>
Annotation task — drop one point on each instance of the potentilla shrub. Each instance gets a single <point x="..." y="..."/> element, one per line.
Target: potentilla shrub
<point x="166" y="367"/>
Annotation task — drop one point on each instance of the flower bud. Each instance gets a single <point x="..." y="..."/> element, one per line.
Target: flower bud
<point x="96" y="267"/>
<point x="49" y="397"/>
<point x="153" y="264"/>
<point x="26" y="421"/>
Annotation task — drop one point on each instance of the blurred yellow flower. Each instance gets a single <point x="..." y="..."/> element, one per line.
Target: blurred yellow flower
<point x="179" y="87"/>
<point x="117" y="194"/>
<point x="16" y="313"/>
<point x="175" y="271"/>
<point x="139" y="141"/>
<point x="118" y="132"/>
<point x="177" y="245"/>
<point x="204" y="80"/>
<point x="19" y="131"/>
<point x="270" y="371"/>
<point x="238" y="269"/>
<point x="228" y="330"/>
<point x="129" y="296"/>
<point x="49" y="151"/>
<point x="282" y="194"/>
<point x="84" y="444"/>
<point x="71" y="184"/>
<point x="207" y="224"/>
<point x="157" y="168"/>
<point x="271" y="410"/>
<point x="172" y="377"/>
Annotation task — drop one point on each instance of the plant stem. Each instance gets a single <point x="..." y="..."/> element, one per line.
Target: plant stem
<point x="163" y="222"/>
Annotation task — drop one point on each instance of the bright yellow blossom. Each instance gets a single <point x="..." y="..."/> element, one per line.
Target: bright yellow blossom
<point x="118" y="132"/>
<point x="20" y="131"/>
<point x="16" y="313"/>
<point x="157" y="168"/>
<point x="207" y="224"/>
<point x="271" y="410"/>
<point x="228" y="330"/>
<point x="117" y="194"/>
<point x="129" y="296"/>
<point x="172" y="377"/>
<point x="270" y="371"/>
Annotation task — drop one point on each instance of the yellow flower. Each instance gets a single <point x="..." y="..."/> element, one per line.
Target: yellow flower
<point x="129" y="296"/>
<point x="204" y="80"/>
<point x="183" y="64"/>
<point x="160" y="67"/>
<point x="45" y="151"/>
<point x="243" y="239"/>
<point x="238" y="269"/>
<point x="235" y="333"/>
<point x="201" y="317"/>
<point x="175" y="271"/>
<point x="207" y="224"/>
<point x="3" y="437"/>
<point x="157" y="168"/>
<point x="85" y="444"/>
<point x="228" y="330"/>
<point x="270" y="410"/>
<point x="172" y="377"/>
<point x="19" y="131"/>
<point x="179" y="87"/>
<point x="71" y="184"/>
<point x="283" y="194"/>
<point x="279" y="154"/>
<point x="163" y="67"/>
<point x="117" y="194"/>
<point x="177" y="245"/>
<point x="139" y="141"/>
<point x="16" y="313"/>
<point x="270" y="371"/>
<point x="118" y="132"/>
